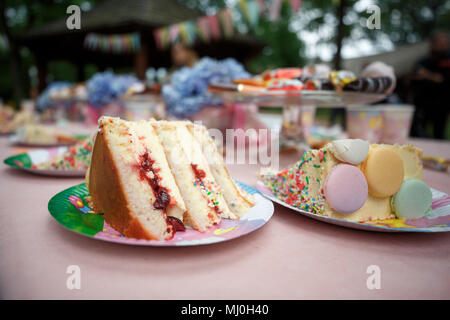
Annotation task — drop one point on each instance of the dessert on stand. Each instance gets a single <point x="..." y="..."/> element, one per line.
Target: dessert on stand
<point x="296" y="88"/>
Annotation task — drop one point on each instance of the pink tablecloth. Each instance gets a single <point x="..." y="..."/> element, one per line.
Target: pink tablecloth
<point x="292" y="257"/>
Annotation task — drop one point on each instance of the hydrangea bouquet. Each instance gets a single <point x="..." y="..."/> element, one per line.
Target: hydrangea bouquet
<point x="188" y="91"/>
<point x="105" y="87"/>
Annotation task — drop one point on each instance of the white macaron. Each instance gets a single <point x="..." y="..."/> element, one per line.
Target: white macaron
<point x="353" y="151"/>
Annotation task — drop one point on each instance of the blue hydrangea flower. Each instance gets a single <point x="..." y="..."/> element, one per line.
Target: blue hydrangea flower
<point x="44" y="100"/>
<point x="105" y="87"/>
<point x="188" y="91"/>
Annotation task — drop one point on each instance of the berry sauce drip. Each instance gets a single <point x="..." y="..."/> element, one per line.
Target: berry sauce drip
<point x="161" y="193"/>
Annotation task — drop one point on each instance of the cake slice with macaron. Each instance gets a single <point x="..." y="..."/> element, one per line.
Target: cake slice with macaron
<point x="353" y="180"/>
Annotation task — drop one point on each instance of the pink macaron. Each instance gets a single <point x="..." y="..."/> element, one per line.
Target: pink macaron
<point x="346" y="188"/>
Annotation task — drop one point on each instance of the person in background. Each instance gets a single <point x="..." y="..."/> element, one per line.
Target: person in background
<point x="183" y="56"/>
<point x="431" y="88"/>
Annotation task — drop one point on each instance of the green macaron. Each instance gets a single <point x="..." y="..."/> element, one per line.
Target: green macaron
<point x="412" y="200"/>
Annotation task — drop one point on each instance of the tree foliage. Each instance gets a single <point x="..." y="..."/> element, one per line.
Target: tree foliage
<point x="402" y="21"/>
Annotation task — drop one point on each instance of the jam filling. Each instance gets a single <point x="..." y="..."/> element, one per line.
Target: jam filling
<point x="161" y="193"/>
<point x="162" y="196"/>
<point x="200" y="175"/>
<point x="176" y="223"/>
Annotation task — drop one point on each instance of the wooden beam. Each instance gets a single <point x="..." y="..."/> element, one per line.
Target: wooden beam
<point x="41" y="65"/>
<point x="141" y="61"/>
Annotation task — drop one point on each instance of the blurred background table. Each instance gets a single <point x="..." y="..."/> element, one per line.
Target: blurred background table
<point x="292" y="257"/>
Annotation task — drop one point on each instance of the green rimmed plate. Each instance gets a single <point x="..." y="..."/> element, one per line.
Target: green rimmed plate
<point x="29" y="160"/>
<point x="71" y="210"/>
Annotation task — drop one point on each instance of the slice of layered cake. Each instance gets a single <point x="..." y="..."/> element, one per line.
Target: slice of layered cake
<point x="198" y="186"/>
<point x="352" y="180"/>
<point x="131" y="182"/>
<point x="238" y="201"/>
<point x="151" y="177"/>
<point x="37" y="134"/>
<point x="77" y="157"/>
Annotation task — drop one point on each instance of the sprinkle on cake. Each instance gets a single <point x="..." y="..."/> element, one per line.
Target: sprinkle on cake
<point x="77" y="157"/>
<point x="352" y="180"/>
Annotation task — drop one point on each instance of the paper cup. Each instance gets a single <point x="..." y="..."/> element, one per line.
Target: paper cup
<point x="397" y="121"/>
<point x="141" y="107"/>
<point x="365" y="123"/>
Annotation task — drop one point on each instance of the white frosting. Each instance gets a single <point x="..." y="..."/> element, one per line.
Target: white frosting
<point x="353" y="151"/>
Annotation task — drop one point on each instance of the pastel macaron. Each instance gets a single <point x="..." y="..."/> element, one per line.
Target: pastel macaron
<point x="413" y="200"/>
<point x="345" y="188"/>
<point x="352" y="151"/>
<point x="384" y="171"/>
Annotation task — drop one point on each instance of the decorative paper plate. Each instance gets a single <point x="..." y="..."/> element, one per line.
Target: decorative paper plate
<point x="14" y="140"/>
<point x="437" y="221"/>
<point x="25" y="161"/>
<point x="71" y="210"/>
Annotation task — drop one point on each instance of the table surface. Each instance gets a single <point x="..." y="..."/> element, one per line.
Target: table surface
<point x="291" y="257"/>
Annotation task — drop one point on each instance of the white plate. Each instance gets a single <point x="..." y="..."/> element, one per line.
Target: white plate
<point x="437" y="221"/>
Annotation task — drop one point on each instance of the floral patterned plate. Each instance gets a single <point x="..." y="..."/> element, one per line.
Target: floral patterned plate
<point x="27" y="161"/>
<point x="15" y="141"/>
<point x="438" y="220"/>
<point x="71" y="210"/>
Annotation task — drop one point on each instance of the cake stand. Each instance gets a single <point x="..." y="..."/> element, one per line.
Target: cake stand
<point x="292" y="133"/>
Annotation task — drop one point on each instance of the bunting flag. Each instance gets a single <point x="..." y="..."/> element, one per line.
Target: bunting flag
<point x="226" y="21"/>
<point x="203" y="29"/>
<point x="250" y="11"/>
<point x="173" y="32"/>
<point x="187" y="32"/>
<point x="275" y="8"/>
<point x="213" y="27"/>
<point x="113" y="43"/>
<point x="295" y="5"/>
<point x="162" y="39"/>
<point x="262" y="6"/>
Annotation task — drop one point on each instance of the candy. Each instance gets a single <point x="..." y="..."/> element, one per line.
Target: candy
<point x="384" y="171"/>
<point x="346" y="188"/>
<point x="317" y="84"/>
<point x="283" y="73"/>
<point x="371" y="85"/>
<point x="413" y="200"/>
<point x="340" y="78"/>
<point x="286" y="84"/>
